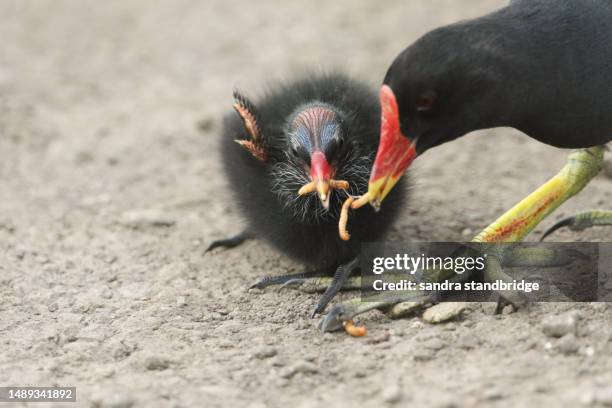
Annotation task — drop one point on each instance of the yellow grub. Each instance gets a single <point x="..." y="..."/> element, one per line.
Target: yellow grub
<point x="361" y="201"/>
<point x="323" y="188"/>
<point x="355" y="331"/>
<point x="339" y="184"/>
<point x="307" y="188"/>
<point x="353" y="203"/>
<point x="344" y="235"/>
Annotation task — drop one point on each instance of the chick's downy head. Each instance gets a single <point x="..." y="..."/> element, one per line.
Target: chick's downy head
<point x="322" y="165"/>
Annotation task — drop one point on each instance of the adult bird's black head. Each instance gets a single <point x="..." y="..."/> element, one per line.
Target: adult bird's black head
<point x="540" y="66"/>
<point x="433" y="92"/>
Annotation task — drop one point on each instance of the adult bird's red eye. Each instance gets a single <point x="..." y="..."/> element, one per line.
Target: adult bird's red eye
<point x="426" y="101"/>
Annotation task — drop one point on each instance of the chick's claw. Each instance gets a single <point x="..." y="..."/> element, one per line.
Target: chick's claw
<point x="340" y="278"/>
<point x="231" y="242"/>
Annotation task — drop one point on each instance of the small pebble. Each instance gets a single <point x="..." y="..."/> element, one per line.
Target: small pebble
<point x="492" y="394"/>
<point x="70" y="335"/>
<point x="403" y="309"/>
<point x="433" y="344"/>
<point x="328" y="336"/>
<point x="589" y="351"/>
<point x="226" y="344"/>
<point x="112" y="401"/>
<point x="206" y="124"/>
<point x="156" y="363"/>
<point x="468" y="341"/>
<point x="265" y="352"/>
<point x="422" y="354"/>
<point x="278" y="363"/>
<point x="106" y="293"/>
<point x="467" y="232"/>
<point x="568" y="344"/>
<point x="559" y="326"/>
<point x="381" y="338"/>
<point x="310" y="357"/>
<point x="587" y="399"/>
<point x="443" y="312"/>
<point x="391" y="394"/>
<point x="303" y="367"/>
<point x="446" y="402"/>
<point x="257" y="404"/>
<point x="146" y="218"/>
<point x="604" y="397"/>
<point x="121" y="351"/>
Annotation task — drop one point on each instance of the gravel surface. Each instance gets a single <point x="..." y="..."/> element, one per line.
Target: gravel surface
<point x="110" y="193"/>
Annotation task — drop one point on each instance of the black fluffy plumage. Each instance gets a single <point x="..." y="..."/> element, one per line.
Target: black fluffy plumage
<point x="267" y="192"/>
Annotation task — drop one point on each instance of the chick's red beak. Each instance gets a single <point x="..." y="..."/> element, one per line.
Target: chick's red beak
<point x="321" y="173"/>
<point x="395" y="151"/>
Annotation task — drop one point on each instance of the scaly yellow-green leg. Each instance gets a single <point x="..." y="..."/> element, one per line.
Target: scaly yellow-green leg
<point x="520" y="220"/>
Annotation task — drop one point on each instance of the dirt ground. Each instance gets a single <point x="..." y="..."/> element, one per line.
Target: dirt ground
<point x="110" y="194"/>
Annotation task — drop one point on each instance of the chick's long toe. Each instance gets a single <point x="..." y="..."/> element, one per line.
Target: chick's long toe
<point x="231" y="242"/>
<point x="288" y="279"/>
<point x="340" y="277"/>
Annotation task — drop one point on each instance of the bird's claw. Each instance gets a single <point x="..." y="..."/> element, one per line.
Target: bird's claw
<point x="502" y="302"/>
<point x="261" y="283"/>
<point x="229" y="243"/>
<point x="324" y="301"/>
<point x="318" y="310"/>
<point x="515" y="300"/>
<point x="340" y="278"/>
<point x="334" y="320"/>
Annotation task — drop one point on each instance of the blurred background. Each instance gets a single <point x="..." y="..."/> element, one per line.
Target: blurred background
<point x="111" y="187"/>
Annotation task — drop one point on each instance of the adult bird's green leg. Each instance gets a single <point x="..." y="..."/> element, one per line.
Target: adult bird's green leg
<point x="520" y="220"/>
<point x="514" y="225"/>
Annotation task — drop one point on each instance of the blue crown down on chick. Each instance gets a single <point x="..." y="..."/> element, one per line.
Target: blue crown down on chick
<point x="292" y="159"/>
